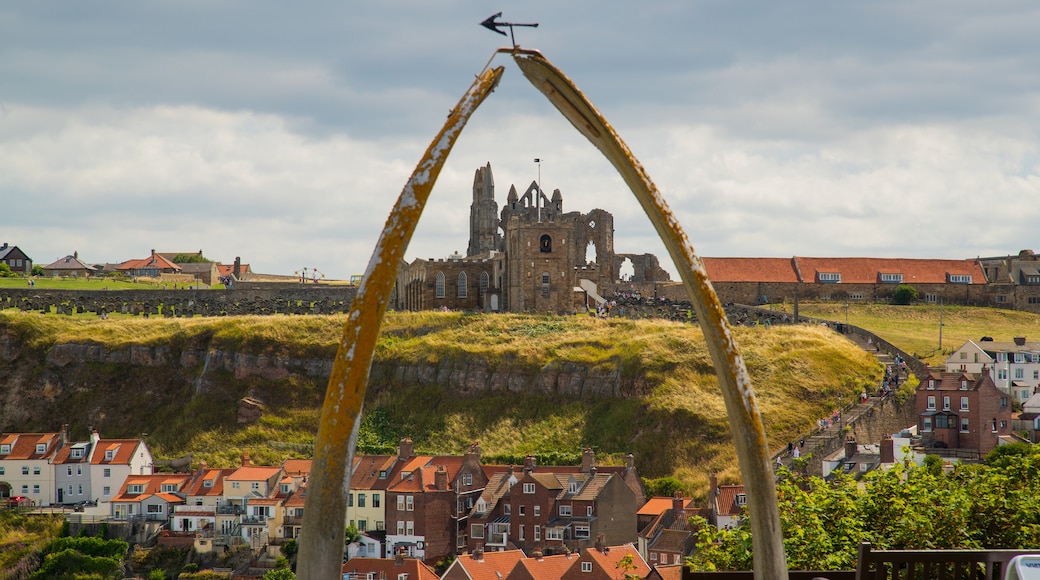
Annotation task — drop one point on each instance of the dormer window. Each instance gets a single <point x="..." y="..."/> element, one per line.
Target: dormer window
<point x="573" y="487"/>
<point x="110" y="454"/>
<point x="741" y="499"/>
<point x="892" y="278"/>
<point x="5" y="449"/>
<point x="960" y="278"/>
<point x="830" y="277"/>
<point x="41" y="448"/>
<point x="168" y="488"/>
<point x="76" y="453"/>
<point x="382" y="474"/>
<point x="931" y="384"/>
<point x="964" y="385"/>
<point x="285" y="488"/>
<point x="207" y="483"/>
<point x="135" y="488"/>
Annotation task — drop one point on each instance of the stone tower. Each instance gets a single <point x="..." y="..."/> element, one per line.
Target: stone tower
<point x="483" y="214"/>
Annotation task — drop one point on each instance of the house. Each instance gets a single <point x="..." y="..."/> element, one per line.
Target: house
<point x="726" y="502"/>
<point x="547" y="511"/>
<point x="71" y="466"/>
<point x="366" y="503"/>
<point x="250" y="503"/>
<point x="603" y="562"/>
<point x="1014" y="366"/>
<point x="69" y="267"/>
<point x="418" y="512"/>
<point x="399" y="568"/>
<point x="149" y="497"/>
<point x="151" y="267"/>
<point x="16" y="259"/>
<point x="669" y="537"/>
<point x="855" y="460"/>
<point x="112" y="461"/>
<point x="669" y="572"/>
<point x="481" y="565"/>
<point x="962" y="411"/>
<point x="236" y="271"/>
<point x="201" y="272"/>
<point x="25" y="465"/>
<point x="202" y="497"/>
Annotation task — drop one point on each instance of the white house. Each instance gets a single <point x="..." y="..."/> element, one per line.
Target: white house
<point x="112" y="461"/>
<point x="1015" y="365"/>
<point x="25" y="465"/>
<point x="151" y="497"/>
<point x="72" y="473"/>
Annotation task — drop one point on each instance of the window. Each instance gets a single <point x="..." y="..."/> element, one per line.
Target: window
<point x="581" y="531"/>
<point x="439" y="285"/>
<point x="110" y="454"/>
<point x="69" y="491"/>
<point x="588" y="511"/>
<point x="926" y="424"/>
<point x="79" y="470"/>
<point x="1019" y="357"/>
<point x="155" y="508"/>
<point x="964" y="403"/>
<point x="484" y="281"/>
<point x="463" y="291"/>
<point x="361" y="500"/>
<point x="520" y="534"/>
<point x="70" y="470"/>
<point x="400" y="503"/>
<point x="1036" y="375"/>
<point x="36" y="488"/>
<point x="107" y="472"/>
<point x="964" y="356"/>
<point x="409" y="503"/>
<point x="944" y="422"/>
<point x="476" y="531"/>
<point x="545" y="244"/>
<point x="1020" y="373"/>
<point x="41" y="448"/>
<point x="741" y="499"/>
<point x="382" y="474"/>
<point x="2" y="470"/>
<point x="933" y="298"/>
<point x="5" y="449"/>
<point x="964" y="424"/>
<point x="653" y="556"/>
<point x="79" y="489"/>
<point x="833" y="277"/>
<point x="1003" y="401"/>
<point x="931" y="384"/>
<point x="946" y="403"/>
<point x="994" y="425"/>
<point x="537" y="510"/>
<point x="25" y="470"/>
<point x="25" y="489"/>
<point x="586" y="566"/>
<point x="1003" y="424"/>
<point x="106" y="491"/>
<point x="36" y="470"/>
<point x="350" y="500"/>
<point x="565" y="510"/>
<point x="1001" y="298"/>
<point x="409" y="528"/>
<point x="1002" y="374"/>
<point x="892" y="278"/>
<point x="960" y="278"/>
<point x="538" y="533"/>
<point x="1033" y="300"/>
<point x="135" y="488"/>
<point x="400" y="527"/>
<point x="362" y="525"/>
<point x="553" y="534"/>
<point x="931" y="402"/>
<point x="545" y="284"/>
<point x="573" y="487"/>
<point x="168" y="488"/>
<point x="255" y="485"/>
<point x="467" y="479"/>
<point x="964" y="385"/>
<point x="508" y="509"/>
<point x="375" y="500"/>
<point x="528" y="488"/>
<point x="522" y="510"/>
<point x="76" y="453"/>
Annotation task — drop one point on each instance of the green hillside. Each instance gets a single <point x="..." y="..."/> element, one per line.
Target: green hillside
<point x="675" y="425"/>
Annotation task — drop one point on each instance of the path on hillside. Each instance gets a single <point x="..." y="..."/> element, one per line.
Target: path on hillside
<point x="821" y="441"/>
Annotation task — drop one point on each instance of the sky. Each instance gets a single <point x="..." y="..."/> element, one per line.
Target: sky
<point x="282" y="133"/>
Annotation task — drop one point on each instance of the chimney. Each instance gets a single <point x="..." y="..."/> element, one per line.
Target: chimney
<point x="245" y="459"/>
<point x="529" y="463"/>
<point x="75" y="254"/>
<point x="203" y="466"/>
<point x="588" y="459"/>
<point x="63" y="436"/>
<point x="153" y="254"/>
<point x="850" y="447"/>
<point x="630" y="462"/>
<point x="238" y="267"/>
<point x="888" y="450"/>
<point x="474" y="453"/>
<point x="399" y="559"/>
<point x="478" y="554"/>
<point x="537" y="555"/>
<point x="440" y="478"/>
<point x="1020" y="341"/>
<point x="985" y="371"/>
<point x="600" y="545"/>
<point x="404" y="449"/>
<point x="3" y="247"/>
<point x="94" y="437"/>
<point x="713" y="485"/>
<point x="678" y="505"/>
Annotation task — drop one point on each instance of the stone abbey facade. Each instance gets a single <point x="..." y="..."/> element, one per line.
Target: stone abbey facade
<point x="531" y="256"/>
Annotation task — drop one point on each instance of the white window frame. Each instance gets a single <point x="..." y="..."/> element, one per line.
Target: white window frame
<point x="528" y="488"/>
<point x="586" y="566"/>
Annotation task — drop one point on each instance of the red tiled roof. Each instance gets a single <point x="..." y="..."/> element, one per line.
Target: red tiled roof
<point x="610" y="556"/>
<point x="544" y="567"/>
<point x="868" y="270"/>
<point x="198" y="487"/>
<point x="23" y="445"/>
<point x="669" y="571"/>
<point x="491" y="565"/>
<point x="297" y="466"/>
<point x="156" y="261"/>
<point x="124" y="451"/>
<point x="253" y="473"/>
<point x="726" y="501"/>
<point x="390" y="568"/>
<point x="152" y="487"/>
<point x="750" y="269"/>
<point x="367" y="469"/>
<point x="658" y="505"/>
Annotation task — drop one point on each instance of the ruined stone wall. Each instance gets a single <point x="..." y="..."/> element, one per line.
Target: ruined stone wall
<point x="272" y="299"/>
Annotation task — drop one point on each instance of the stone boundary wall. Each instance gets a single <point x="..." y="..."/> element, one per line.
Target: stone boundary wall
<point x="273" y="299"/>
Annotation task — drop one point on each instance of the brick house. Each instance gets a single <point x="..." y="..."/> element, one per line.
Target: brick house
<point x="541" y="510"/>
<point x="668" y="537"/>
<point x="604" y="562"/>
<point x="1014" y="366"/>
<point x="419" y="511"/>
<point x="483" y="565"/>
<point x="154" y="266"/>
<point x="962" y="411"/>
<point x="69" y="267"/>
<point x="15" y="259"/>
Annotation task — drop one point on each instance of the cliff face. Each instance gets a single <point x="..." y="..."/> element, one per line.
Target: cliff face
<point x="127" y="390"/>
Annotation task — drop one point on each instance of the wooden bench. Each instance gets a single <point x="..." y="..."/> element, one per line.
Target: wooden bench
<point x="901" y="565"/>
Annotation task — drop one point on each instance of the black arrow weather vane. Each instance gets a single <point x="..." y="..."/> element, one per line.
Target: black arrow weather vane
<point x="490" y="24"/>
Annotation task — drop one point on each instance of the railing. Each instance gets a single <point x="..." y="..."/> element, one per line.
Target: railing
<point x="254" y="520"/>
<point x="292" y="520"/>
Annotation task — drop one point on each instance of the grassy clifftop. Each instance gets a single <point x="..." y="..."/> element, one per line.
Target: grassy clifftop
<point x="677" y="425"/>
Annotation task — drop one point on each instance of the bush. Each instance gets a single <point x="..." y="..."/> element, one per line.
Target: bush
<point x="905" y="294"/>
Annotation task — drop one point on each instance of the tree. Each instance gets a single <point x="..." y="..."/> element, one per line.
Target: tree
<point x="905" y="294"/>
<point x="37" y="270"/>
<point x="352" y="534"/>
<point x="662" y="487"/>
<point x="5" y="270"/>
<point x="279" y="574"/>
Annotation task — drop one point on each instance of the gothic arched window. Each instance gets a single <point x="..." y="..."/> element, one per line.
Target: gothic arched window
<point x="463" y="290"/>
<point x="439" y="286"/>
<point x="545" y="243"/>
<point x="484" y="282"/>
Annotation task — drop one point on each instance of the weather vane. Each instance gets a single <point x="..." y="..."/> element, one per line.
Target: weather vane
<point x="490" y="24"/>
